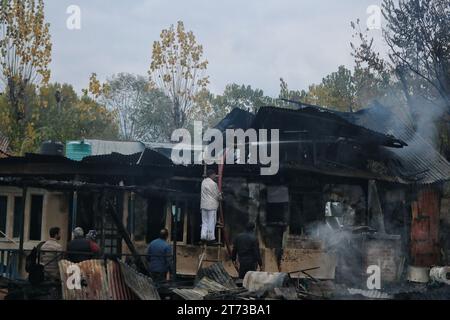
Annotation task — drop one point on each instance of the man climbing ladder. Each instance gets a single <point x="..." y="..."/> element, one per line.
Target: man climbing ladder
<point x="209" y="202"/>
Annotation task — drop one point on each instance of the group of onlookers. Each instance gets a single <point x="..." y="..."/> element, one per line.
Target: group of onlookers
<point x="159" y="252"/>
<point x="80" y="248"/>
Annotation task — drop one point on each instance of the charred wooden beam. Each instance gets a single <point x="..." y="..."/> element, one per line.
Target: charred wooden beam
<point x="81" y="186"/>
<point x="54" y="169"/>
<point x="126" y="237"/>
<point x="22" y="225"/>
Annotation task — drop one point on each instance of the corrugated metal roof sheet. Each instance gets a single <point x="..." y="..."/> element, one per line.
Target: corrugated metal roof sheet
<point x="191" y="294"/>
<point x="217" y="273"/>
<point x="203" y="288"/>
<point x="100" y="147"/>
<point x="118" y="288"/>
<point x="147" y="157"/>
<point x="141" y="285"/>
<point x="210" y="285"/>
<point x="210" y="280"/>
<point x="419" y="162"/>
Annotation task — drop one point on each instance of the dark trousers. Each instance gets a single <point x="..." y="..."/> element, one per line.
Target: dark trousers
<point x="245" y="266"/>
<point x="158" y="276"/>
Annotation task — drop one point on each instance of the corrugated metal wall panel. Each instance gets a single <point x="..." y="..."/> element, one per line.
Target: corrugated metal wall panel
<point x="94" y="281"/>
<point x="116" y="281"/>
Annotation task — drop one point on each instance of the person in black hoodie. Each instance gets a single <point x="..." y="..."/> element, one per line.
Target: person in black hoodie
<point x="79" y="249"/>
<point x="246" y="250"/>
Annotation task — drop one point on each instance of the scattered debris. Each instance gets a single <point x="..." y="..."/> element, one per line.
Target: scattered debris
<point x="217" y="273"/>
<point x="141" y="285"/>
<point x="371" y="294"/>
<point x="212" y="282"/>
<point x="261" y="282"/>
<point x="440" y="274"/>
<point x="286" y="293"/>
<point x="418" y="274"/>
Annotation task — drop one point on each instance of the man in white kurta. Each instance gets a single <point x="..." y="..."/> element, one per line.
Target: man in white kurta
<point x="210" y="197"/>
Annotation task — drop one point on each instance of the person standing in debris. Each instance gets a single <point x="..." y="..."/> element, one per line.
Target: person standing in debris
<point x="79" y="249"/>
<point x="246" y="250"/>
<point x="51" y="253"/>
<point x="209" y="202"/>
<point x="159" y="257"/>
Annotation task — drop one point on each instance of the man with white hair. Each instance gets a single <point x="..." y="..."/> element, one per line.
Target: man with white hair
<point x="79" y="249"/>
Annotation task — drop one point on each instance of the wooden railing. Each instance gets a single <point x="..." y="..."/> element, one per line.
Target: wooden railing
<point x="9" y="263"/>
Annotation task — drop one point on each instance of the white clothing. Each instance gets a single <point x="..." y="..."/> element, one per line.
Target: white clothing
<point x="209" y="218"/>
<point x="210" y="195"/>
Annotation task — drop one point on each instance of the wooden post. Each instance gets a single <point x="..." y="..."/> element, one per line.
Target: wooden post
<point x="131" y="216"/>
<point x="22" y="227"/>
<point x="74" y="209"/>
<point x="102" y="213"/>
<point x="175" y="213"/>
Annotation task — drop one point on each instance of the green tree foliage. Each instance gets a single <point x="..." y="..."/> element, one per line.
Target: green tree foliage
<point x="244" y="97"/>
<point x="58" y="114"/>
<point x="342" y="90"/>
<point x="65" y="116"/>
<point x="212" y="108"/>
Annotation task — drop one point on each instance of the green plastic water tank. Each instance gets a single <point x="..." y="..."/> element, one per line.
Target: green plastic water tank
<point x="77" y="150"/>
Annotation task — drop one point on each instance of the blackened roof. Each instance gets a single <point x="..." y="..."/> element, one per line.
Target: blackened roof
<point x="321" y="122"/>
<point x="237" y="118"/>
<point x="420" y="162"/>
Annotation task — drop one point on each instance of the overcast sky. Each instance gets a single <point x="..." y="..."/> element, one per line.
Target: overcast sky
<point x="251" y="42"/>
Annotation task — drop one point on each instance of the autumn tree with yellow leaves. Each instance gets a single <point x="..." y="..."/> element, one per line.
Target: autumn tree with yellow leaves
<point x="25" y="54"/>
<point x="177" y="69"/>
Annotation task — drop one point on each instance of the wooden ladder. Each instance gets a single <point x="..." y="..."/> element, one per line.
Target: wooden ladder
<point x="218" y="245"/>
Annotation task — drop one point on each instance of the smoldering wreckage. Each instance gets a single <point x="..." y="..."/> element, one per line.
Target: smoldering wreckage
<point x="359" y="209"/>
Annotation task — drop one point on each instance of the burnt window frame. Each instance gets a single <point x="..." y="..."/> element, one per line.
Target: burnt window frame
<point x="4" y="232"/>
<point x="16" y="215"/>
<point x="30" y="218"/>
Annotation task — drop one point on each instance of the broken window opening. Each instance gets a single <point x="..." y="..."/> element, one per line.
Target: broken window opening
<point x="178" y="212"/>
<point x="17" y="214"/>
<point x="3" y="215"/>
<point x="277" y="207"/>
<point x="36" y="217"/>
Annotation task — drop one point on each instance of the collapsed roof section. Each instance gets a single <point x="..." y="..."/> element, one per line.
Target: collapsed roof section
<point x="408" y="156"/>
<point x="418" y="163"/>
<point x="309" y="120"/>
<point x="320" y="122"/>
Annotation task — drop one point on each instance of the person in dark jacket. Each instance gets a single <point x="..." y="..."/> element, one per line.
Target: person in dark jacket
<point x="246" y="250"/>
<point x="160" y="257"/>
<point x="79" y="249"/>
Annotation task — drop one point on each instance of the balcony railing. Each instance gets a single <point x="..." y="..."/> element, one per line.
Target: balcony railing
<point x="9" y="263"/>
